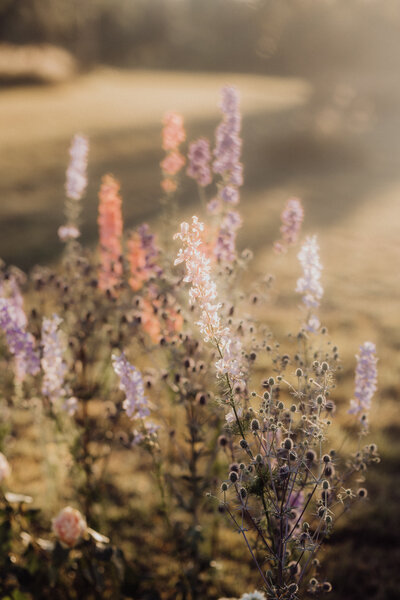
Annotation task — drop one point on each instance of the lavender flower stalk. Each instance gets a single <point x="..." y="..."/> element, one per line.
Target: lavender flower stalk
<point x="227" y="164"/>
<point x="131" y="383"/>
<point x="75" y="185"/>
<point x="228" y="143"/>
<point x="292" y="218"/>
<point x="199" y="162"/>
<point x="20" y="342"/>
<point x="53" y="363"/>
<point x="365" y="379"/>
<point x="309" y="285"/>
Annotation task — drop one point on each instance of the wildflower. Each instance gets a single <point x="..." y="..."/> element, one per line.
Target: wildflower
<point x="75" y="185"/>
<point x="228" y="143"/>
<point x="214" y="206"/>
<point x="172" y="163"/>
<point x="110" y="233"/>
<point x="204" y="293"/>
<point x="5" y="469"/>
<point x="169" y="186"/>
<point x="9" y="288"/>
<point x="230" y="195"/>
<point x="365" y="379"/>
<point x="131" y="383"/>
<point x="142" y="257"/>
<point x="224" y="249"/>
<point x="68" y="232"/>
<point x="53" y="364"/>
<point x="292" y="218"/>
<point x="76" y="181"/>
<point x="227" y="164"/>
<point x="309" y="285"/>
<point x="70" y="406"/>
<point x="69" y="526"/>
<point x="199" y="162"/>
<point x="173" y="131"/>
<point x="20" y="342"/>
<point x="173" y="135"/>
<point x="230" y="416"/>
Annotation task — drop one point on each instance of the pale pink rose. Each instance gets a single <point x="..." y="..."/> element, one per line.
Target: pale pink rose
<point x="5" y="469"/>
<point x="69" y="526"/>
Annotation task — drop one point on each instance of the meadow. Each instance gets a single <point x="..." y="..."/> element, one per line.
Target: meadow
<point x="337" y="150"/>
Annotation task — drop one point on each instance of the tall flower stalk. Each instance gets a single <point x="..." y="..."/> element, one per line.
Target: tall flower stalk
<point x="309" y="285"/>
<point x="110" y="233"/>
<point x="75" y="186"/>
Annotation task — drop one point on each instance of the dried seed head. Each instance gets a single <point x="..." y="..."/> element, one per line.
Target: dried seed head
<point x="362" y="493"/>
<point x="294" y="568"/>
<point x="329" y="470"/>
<point x="310" y="456"/>
<point x="233" y="476"/>
<point x="326" y="458"/>
<point x="243" y="492"/>
<point x="299" y="373"/>
<point x="255" y="425"/>
<point x="224" y="486"/>
<point x="243" y="444"/>
<point x="222" y="441"/>
<point x="326" y="586"/>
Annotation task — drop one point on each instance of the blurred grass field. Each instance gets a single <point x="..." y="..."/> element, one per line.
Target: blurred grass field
<point x="337" y="146"/>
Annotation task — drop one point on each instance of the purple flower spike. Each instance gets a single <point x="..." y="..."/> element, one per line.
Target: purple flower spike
<point x="365" y="380"/>
<point x="131" y="383"/>
<point x="20" y="342"/>
<point x="228" y="143"/>
<point x="199" y="162"/>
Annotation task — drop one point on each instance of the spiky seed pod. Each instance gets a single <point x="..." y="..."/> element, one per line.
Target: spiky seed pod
<point x="362" y="493"/>
<point x="329" y="470"/>
<point x="326" y="586"/>
<point x="294" y="568"/>
<point x="255" y="425"/>
<point x="310" y="456"/>
<point x="233" y="476"/>
<point x="222" y="441"/>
